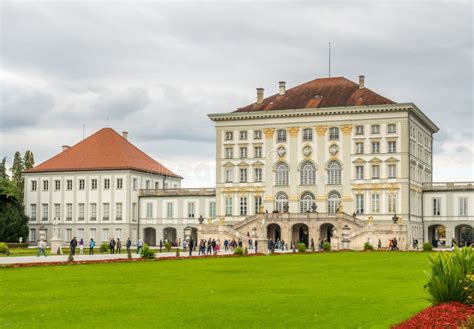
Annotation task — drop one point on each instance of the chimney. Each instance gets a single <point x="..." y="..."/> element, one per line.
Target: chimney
<point x="125" y="134"/>
<point x="260" y="95"/>
<point x="65" y="147"/>
<point x="282" y="85"/>
<point x="361" y="82"/>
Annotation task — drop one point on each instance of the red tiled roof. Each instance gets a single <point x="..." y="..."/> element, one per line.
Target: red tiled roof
<point x="103" y="150"/>
<point x="319" y="93"/>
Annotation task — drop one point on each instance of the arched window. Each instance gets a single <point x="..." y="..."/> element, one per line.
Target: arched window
<point x="307" y="174"/>
<point x="334" y="199"/>
<point x="281" y="174"/>
<point x="334" y="173"/>
<point x="281" y="201"/>
<point x="306" y="202"/>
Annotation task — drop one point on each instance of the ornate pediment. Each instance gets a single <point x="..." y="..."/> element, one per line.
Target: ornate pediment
<point x="359" y="161"/>
<point x="257" y="164"/>
<point x="243" y="164"/>
<point x="228" y="164"/>
<point x="392" y="160"/>
<point x="375" y="161"/>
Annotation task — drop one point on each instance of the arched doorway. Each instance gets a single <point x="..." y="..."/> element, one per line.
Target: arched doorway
<point x="169" y="235"/>
<point x="437" y="235"/>
<point x="300" y="234"/>
<point x="190" y="233"/>
<point x="463" y="235"/>
<point x="325" y="232"/>
<point x="274" y="232"/>
<point x="150" y="236"/>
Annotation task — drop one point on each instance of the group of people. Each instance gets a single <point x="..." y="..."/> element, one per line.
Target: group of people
<point x="393" y="244"/>
<point x="115" y="246"/>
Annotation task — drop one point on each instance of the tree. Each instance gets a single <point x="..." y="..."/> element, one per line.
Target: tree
<point x="29" y="160"/>
<point x="13" y="221"/>
<point x="3" y="168"/>
<point x="17" y="172"/>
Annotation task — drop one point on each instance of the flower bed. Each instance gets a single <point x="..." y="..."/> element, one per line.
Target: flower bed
<point x="447" y="316"/>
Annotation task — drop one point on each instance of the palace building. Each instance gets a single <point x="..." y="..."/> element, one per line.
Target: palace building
<point x="329" y="159"/>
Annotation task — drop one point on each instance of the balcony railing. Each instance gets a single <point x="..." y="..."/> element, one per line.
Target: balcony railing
<point x="179" y="192"/>
<point x="440" y="186"/>
<point x="170" y="221"/>
<point x="93" y="218"/>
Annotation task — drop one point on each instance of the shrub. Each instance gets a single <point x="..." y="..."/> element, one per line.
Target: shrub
<point x="147" y="252"/>
<point x="301" y="247"/>
<point x="326" y="246"/>
<point x="104" y="247"/>
<point x="238" y="251"/>
<point x="368" y="246"/>
<point x="451" y="278"/>
<point x="427" y="246"/>
<point x="168" y="246"/>
<point x="4" y="249"/>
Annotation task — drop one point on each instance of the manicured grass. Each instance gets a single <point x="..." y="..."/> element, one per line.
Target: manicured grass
<point x="328" y="290"/>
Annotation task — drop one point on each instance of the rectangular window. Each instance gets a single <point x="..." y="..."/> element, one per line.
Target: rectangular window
<point x="334" y="134"/>
<point x="118" y="233"/>
<point x="436" y="206"/>
<point x="375" y="171"/>
<point x="69" y="184"/>
<point x="119" y="183"/>
<point x="135" y="184"/>
<point x="169" y="210"/>
<point x="82" y="184"/>
<point x="463" y="206"/>
<point x="243" y="135"/>
<point x="105" y="234"/>
<point x="45" y="185"/>
<point x="258" y="174"/>
<point x="45" y="212"/>
<point x="191" y="209"/>
<point x="243" y="206"/>
<point x="149" y="210"/>
<point x="392" y="171"/>
<point x="229" y="135"/>
<point x="228" y="206"/>
<point x="375" y="147"/>
<point x="359" y="147"/>
<point x="392" y="203"/>
<point x="68" y="211"/>
<point x="106" y="183"/>
<point x="212" y="209"/>
<point x="92" y="233"/>
<point x="134" y="211"/>
<point x="392" y="128"/>
<point x="258" y="203"/>
<point x="157" y="185"/>
<point x="229" y="152"/>
<point x="80" y="233"/>
<point x="81" y="211"/>
<point x="229" y="175"/>
<point x="57" y="211"/>
<point x="243" y="175"/>
<point x="34" y="185"/>
<point x="258" y="151"/>
<point x="359" y="203"/>
<point x="281" y="136"/>
<point x="33" y="212"/>
<point x="307" y="135"/>
<point x="257" y="134"/>
<point x="106" y="211"/>
<point x="32" y="235"/>
<point x="243" y="152"/>
<point x="359" y="130"/>
<point x="375" y="129"/>
<point x="147" y="184"/>
<point x="118" y="211"/>
<point x="392" y="147"/>
<point x="93" y="184"/>
<point x="68" y="234"/>
<point x="375" y="203"/>
<point x="359" y="172"/>
<point x="57" y="185"/>
<point x="93" y="211"/>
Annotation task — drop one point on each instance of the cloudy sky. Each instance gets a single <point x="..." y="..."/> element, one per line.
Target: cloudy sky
<point x="157" y="69"/>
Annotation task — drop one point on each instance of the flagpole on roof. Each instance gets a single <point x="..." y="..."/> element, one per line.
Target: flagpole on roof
<point x="329" y="59"/>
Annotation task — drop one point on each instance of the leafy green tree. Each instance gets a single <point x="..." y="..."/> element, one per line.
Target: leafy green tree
<point x="3" y="168"/>
<point x="17" y="172"/>
<point x="13" y="221"/>
<point x="29" y="160"/>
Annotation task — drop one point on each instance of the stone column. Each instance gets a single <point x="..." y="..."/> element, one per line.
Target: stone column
<point x="268" y="170"/>
<point x="347" y="168"/>
<point x="320" y="156"/>
<point x="293" y="163"/>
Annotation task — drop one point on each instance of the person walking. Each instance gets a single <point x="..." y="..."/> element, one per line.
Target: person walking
<point x="226" y="245"/>
<point x="128" y="245"/>
<point x="73" y="245"/>
<point x="41" y="246"/>
<point x="312" y="245"/>
<point x="119" y="246"/>
<point x="379" y="245"/>
<point x="139" y="246"/>
<point x="112" y="245"/>
<point x="91" y="246"/>
<point x="161" y="245"/>
<point x="256" y="246"/>
<point x="81" y="246"/>
<point x="191" y="246"/>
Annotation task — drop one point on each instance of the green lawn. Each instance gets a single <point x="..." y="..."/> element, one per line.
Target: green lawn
<point x="329" y="290"/>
